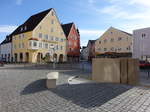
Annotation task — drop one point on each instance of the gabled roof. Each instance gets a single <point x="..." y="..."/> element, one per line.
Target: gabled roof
<point x="67" y="28"/>
<point x="31" y="23"/>
<point x="91" y="41"/>
<point x="7" y="40"/>
<point x="122" y="31"/>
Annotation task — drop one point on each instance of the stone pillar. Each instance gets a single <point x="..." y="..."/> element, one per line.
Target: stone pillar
<point x="133" y="71"/>
<point x="124" y="70"/>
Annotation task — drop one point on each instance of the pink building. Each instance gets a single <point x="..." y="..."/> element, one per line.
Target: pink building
<point x="73" y="42"/>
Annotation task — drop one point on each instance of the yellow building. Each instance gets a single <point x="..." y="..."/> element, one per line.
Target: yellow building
<point x="40" y="37"/>
<point x="114" y="42"/>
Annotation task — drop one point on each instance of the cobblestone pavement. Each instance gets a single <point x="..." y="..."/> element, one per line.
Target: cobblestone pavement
<point x="23" y="90"/>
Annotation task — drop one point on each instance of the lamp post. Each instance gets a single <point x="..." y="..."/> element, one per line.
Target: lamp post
<point x="53" y="48"/>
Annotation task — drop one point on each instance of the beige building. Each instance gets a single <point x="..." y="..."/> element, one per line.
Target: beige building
<point x="114" y="43"/>
<point x="41" y="37"/>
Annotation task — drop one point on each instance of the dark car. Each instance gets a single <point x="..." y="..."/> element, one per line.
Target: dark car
<point x="1" y="63"/>
<point x="144" y="65"/>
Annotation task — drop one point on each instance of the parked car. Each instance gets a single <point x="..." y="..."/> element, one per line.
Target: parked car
<point x="144" y="65"/>
<point x="1" y="63"/>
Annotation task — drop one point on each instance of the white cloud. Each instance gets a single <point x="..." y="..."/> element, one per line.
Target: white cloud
<point x="89" y="35"/>
<point x="7" y="28"/>
<point x="126" y="9"/>
<point x="91" y="32"/>
<point x="140" y="2"/>
<point x="19" y="2"/>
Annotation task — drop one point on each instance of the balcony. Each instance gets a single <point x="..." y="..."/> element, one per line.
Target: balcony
<point x="33" y="44"/>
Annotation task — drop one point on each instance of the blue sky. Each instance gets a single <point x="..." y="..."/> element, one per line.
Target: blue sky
<point x="92" y="17"/>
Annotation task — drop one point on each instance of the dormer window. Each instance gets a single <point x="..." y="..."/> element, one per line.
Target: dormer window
<point x="21" y="29"/>
<point x="25" y="28"/>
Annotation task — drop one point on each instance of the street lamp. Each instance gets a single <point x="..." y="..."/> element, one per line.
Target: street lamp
<point x="54" y="60"/>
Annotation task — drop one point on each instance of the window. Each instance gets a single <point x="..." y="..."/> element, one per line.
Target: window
<point x="30" y="43"/>
<point x="119" y="38"/>
<point x="61" y="33"/>
<point x="14" y="38"/>
<point x="22" y="45"/>
<point x="99" y="49"/>
<point x="34" y="44"/>
<point x="46" y="37"/>
<point x="129" y="47"/>
<point x="40" y="27"/>
<point x="52" y="30"/>
<point x="40" y="35"/>
<point x="112" y="49"/>
<point x="61" y="47"/>
<point x="143" y="35"/>
<point x="21" y="29"/>
<point x="40" y="45"/>
<point x="20" y="36"/>
<point x="52" y="38"/>
<point x="112" y="39"/>
<point x="25" y="28"/>
<point x="119" y="49"/>
<point x="46" y="45"/>
<point x="105" y="49"/>
<point x="61" y="40"/>
<point x="56" y="39"/>
<point x="52" y="21"/>
<point x="99" y="42"/>
<point x="75" y="44"/>
<point x="15" y="47"/>
<point x="70" y="43"/>
<point x="52" y="13"/>
<point x="70" y="49"/>
<point x="105" y="40"/>
<point x="57" y="47"/>
<point x="19" y="45"/>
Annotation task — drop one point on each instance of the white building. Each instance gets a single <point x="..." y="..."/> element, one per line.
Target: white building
<point x="6" y="49"/>
<point x="141" y="44"/>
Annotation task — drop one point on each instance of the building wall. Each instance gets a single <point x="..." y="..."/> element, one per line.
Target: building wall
<point x="21" y="45"/>
<point x="84" y="53"/>
<point x="6" y="52"/>
<point x="114" y="40"/>
<point x="141" y="46"/>
<point x="50" y="29"/>
<point x="73" y="43"/>
<point x="55" y="33"/>
<point x="91" y="50"/>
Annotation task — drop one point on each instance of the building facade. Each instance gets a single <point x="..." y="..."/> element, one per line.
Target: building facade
<point x="73" y="42"/>
<point x="91" y="49"/>
<point x="114" y="43"/>
<point x="141" y="46"/>
<point x="84" y="53"/>
<point x="6" y="49"/>
<point x="41" y="37"/>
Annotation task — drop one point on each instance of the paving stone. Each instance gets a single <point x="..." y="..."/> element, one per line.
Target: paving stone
<point x="23" y="90"/>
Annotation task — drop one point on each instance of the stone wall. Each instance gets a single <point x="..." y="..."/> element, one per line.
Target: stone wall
<point x="122" y="70"/>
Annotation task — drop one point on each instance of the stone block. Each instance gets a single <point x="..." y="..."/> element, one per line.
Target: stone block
<point x="106" y="70"/>
<point x="51" y="79"/>
<point x="133" y="71"/>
